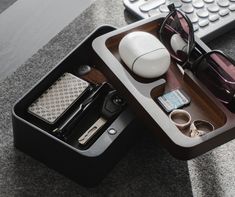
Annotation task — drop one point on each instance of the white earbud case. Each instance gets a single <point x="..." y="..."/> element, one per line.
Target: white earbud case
<point x="144" y="54"/>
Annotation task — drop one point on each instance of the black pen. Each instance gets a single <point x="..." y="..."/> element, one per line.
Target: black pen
<point x="66" y="127"/>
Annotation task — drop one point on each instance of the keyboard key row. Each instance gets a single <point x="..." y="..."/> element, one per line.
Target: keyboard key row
<point x="178" y="3"/>
<point x="187" y="8"/>
<point x="151" y="4"/>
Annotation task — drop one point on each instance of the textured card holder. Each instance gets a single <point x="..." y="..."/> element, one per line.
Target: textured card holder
<point x="58" y="98"/>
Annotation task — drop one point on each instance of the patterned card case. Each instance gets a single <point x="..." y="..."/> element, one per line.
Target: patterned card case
<point x="58" y="98"/>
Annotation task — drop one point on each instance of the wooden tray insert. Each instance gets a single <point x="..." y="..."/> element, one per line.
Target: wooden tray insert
<point x="203" y="104"/>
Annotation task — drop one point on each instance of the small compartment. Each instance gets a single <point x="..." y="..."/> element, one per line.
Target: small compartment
<point x="112" y="45"/>
<point x="86" y="163"/>
<point x="84" y="111"/>
<point x="97" y="116"/>
<point x="201" y="107"/>
<point x="143" y="94"/>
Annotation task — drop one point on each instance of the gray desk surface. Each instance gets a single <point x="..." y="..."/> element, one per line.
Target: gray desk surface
<point x="4" y="4"/>
<point x="146" y="170"/>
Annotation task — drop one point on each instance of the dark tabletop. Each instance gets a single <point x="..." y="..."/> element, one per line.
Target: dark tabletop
<point x="146" y="170"/>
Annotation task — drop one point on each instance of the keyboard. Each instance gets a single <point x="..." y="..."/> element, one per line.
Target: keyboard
<point x="210" y="18"/>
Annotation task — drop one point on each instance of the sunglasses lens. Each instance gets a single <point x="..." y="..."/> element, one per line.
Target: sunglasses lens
<point x="218" y="74"/>
<point x="175" y="36"/>
<point x="224" y="66"/>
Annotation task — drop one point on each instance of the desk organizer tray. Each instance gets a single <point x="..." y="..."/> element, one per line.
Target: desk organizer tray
<point x="143" y="93"/>
<point x="89" y="163"/>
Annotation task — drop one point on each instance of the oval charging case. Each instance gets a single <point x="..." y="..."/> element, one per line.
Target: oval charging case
<point x="144" y="54"/>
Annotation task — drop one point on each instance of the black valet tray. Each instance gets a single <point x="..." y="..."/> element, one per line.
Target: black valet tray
<point x="87" y="166"/>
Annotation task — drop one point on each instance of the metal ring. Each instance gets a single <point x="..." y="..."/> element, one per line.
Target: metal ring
<point x="200" y="128"/>
<point x="180" y="118"/>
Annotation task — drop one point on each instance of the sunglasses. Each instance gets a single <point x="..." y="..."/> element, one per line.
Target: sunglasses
<point x="214" y="69"/>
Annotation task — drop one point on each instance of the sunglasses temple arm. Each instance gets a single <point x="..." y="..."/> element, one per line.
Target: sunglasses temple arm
<point x="194" y="65"/>
<point x="189" y="64"/>
<point x="171" y="7"/>
<point x="197" y="61"/>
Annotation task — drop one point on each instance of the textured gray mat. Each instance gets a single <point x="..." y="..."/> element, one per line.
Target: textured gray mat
<point x="146" y="170"/>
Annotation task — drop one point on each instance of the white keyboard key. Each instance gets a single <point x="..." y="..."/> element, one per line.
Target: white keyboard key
<point x="213" y="17"/>
<point x="195" y="27"/>
<point x="217" y="14"/>
<point x="232" y="7"/>
<point x="223" y="3"/>
<point x="193" y="17"/>
<point x="208" y="1"/>
<point x="187" y="8"/>
<point x="154" y="12"/>
<point x="203" y="13"/>
<point x="177" y="3"/>
<point x="203" y="23"/>
<point x="198" y="3"/>
<point x="223" y="12"/>
<point x="164" y="9"/>
<point x="151" y="4"/>
<point x="213" y="8"/>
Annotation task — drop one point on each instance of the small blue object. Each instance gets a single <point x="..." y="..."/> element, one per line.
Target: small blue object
<point x="173" y="100"/>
